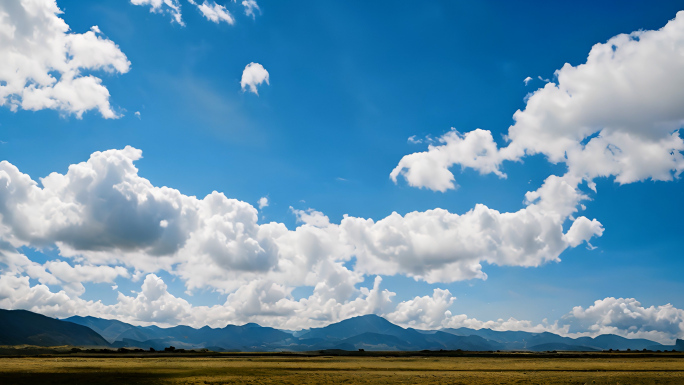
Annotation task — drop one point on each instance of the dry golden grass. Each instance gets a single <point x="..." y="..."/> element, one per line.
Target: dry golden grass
<point x="341" y="370"/>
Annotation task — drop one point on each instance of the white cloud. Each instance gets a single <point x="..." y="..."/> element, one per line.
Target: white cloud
<point x="229" y="237"/>
<point x="628" y="318"/>
<point x="253" y="75"/>
<point x="271" y="304"/>
<point x="423" y="312"/>
<point x="625" y="317"/>
<point x="429" y="169"/>
<point x="511" y="324"/>
<point x="58" y="272"/>
<point x="17" y="263"/>
<point x="172" y="7"/>
<point x="438" y="246"/>
<point x="266" y="303"/>
<point x="527" y="80"/>
<point x="99" y="206"/>
<point x="211" y="10"/>
<point x="263" y="202"/>
<point x="250" y="7"/>
<point x="137" y="114"/>
<point x="16" y="292"/>
<point x="153" y="304"/>
<point x="42" y="62"/>
<point x="311" y="217"/>
<point x="73" y="276"/>
<point x="412" y="140"/>
<point x="102" y="212"/>
<point x="619" y="114"/>
<point x="214" y="12"/>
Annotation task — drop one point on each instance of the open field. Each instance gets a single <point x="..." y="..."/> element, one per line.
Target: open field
<point x="301" y="370"/>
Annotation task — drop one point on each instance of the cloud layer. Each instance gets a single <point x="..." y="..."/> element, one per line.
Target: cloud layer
<point x="106" y="223"/>
<point x="103" y="212"/>
<point x="272" y="306"/>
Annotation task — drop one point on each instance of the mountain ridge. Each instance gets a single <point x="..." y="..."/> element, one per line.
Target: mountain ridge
<point x="25" y="327"/>
<point x="367" y="332"/>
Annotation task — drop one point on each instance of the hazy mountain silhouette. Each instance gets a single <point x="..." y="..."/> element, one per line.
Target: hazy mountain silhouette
<point x="354" y="326"/>
<point x="369" y="332"/>
<point x="110" y="330"/>
<point x="611" y="341"/>
<point x="22" y="327"/>
<point x="520" y="340"/>
<point x="372" y="332"/>
<point x="678" y="346"/>
<point x="561" y="346"/>
<point x="248" y="337"/>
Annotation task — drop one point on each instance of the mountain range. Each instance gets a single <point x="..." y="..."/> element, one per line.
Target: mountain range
<point x="369" y="332"/>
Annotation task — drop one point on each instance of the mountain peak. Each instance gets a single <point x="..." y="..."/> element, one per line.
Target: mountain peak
<point x="251" y="325"/>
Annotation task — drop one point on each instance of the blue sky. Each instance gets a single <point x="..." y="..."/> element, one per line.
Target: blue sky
<point x="348" y="85"/>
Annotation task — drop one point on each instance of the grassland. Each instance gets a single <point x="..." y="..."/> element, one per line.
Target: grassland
<point x="302" y="370"/>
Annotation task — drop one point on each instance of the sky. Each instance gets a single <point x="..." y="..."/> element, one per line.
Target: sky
<point x="441" y="164"/>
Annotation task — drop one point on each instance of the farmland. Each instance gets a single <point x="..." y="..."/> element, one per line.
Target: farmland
<point x="322" y="369"/>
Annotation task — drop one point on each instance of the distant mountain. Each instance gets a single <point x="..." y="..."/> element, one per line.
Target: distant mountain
<point x="611" y="341"/>
<point x="520" y="340"/>
<point x="678" y="346"/>
<point x="354" y="326"/>
<point x="249" y="337"/>
<point x="22" y="327"/>
<point x="507" y="337"/>
<point x="369" y="332"/>
<point x="110" y="330"/>
<point x="372" y="332"/>
<point x="561" y="346"/>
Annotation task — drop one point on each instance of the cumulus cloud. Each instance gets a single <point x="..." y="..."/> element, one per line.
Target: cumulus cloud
<point x="628" y="318"/>
<point x="511" y="324"/>
<point x="428" y="312"/>
<point x="475" y="149"/>
<point x="616" y="115"/>
<point x="42" y="63"/>
<point x="73" y="277"/>
<point x="154" y="303"/>
<point x="214" y="12"/>
<point x="438" y="246"/>
<point x="16" y="292"/>
<point x="527" y="80"/>
<point x="625" y="317"/>
<point x="311" y="217"/>
<point x="58" y="272"/>
<point x="102" y="212"/>
<point x="263" y="202"/>
<point x="271" y="304"/>
<point x="253" y="75"/>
